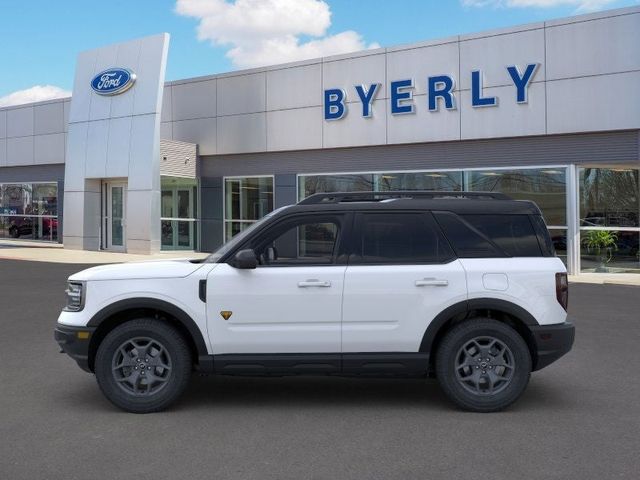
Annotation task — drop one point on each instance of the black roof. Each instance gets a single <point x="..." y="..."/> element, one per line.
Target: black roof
<point x="457" y="202"/>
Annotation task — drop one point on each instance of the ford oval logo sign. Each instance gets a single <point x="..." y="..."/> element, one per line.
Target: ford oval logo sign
<point x="113" y="81"/>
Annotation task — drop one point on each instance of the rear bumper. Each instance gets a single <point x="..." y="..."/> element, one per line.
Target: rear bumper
<point x="74" y="341"/>
<point x="552" y="342"/>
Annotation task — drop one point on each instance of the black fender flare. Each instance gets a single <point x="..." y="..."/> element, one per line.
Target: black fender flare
<point x="156" y="304"/>
<point x="463" y="308"/>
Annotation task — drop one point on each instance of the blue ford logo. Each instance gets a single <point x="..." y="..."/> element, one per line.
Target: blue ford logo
<point x="113" y="81"/>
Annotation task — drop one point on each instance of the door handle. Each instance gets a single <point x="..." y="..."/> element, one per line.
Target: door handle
<point x="314" y="283"/>
<point x="432" y="282"/>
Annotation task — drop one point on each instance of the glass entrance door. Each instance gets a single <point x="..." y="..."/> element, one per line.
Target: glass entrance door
<point x="115" y="221"/>
<point x="178" y="221"/>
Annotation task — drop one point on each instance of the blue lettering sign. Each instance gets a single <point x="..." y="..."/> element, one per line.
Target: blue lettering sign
<point x="334" y="107"/>
<point x="400" y="94"/>
<point x="521" y="81"/>
<point x="477" y="100"/>
<point x="366" y="97"/>
<point x="441" y="86"/>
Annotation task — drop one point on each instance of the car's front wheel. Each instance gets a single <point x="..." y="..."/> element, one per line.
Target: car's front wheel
<point x="483" y="365"/>
<point x="143" y="365"/>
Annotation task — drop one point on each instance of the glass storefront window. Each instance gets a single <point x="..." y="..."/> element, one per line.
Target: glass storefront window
<point x="179" y="219"/>
<point x="246" y="199"/>
<point x="383" y="182"/>
<point x="28" y="211"/>
<point x="609" y="197"/>
<point x="545" y="186"/>
<point x="447" y="181"/>
<point x="310" y="184"/>
<point x="609" y="251"/>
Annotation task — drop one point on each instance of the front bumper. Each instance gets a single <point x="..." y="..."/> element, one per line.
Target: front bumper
<point x="74" y="341"/>
<point x="552" y="342"/>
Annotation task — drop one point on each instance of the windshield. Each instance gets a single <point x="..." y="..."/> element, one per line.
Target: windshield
<point x="240" y="237"/>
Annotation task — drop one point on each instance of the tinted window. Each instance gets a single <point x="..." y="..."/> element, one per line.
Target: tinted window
<point x="512" y="233"/>
<point x="465" y="239"/>
<point x="549" y="240"/>
<point x="400" y="238"/>
<point x="303" y="241"/>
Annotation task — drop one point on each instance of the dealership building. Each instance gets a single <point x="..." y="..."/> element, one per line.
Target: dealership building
<point x="548" y="112"/>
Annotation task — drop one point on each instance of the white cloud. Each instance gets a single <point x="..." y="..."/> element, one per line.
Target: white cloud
<point x="36" y="93"/>
<point x="265" y="32"/>
<point x="580" y="5"/>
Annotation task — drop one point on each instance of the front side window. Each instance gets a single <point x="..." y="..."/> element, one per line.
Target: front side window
<point x="399" y="238"/>
<point x="303" y="241"/>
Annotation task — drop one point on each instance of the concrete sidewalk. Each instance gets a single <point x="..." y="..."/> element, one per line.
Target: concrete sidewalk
<point x="607" y="278"/>
<point x="55" y="253"/>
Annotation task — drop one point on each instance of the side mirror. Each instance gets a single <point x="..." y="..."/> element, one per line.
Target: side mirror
<point x="245" y="259"/>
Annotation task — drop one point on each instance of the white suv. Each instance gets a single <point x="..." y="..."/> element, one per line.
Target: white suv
<point x="461" y="286"/>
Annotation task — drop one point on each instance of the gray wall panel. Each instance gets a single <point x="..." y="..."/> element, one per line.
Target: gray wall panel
<point x="211" y="213"/>
<point x="60" y="210"/>
<point x="285" y="190"/>
<point x="33" y="173"/>
<point x="609" y="147"/>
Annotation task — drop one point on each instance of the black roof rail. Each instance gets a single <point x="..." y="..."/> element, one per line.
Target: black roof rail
<point x="337" y="197"/>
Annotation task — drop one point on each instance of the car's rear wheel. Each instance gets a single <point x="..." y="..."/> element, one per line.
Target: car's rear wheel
<point x="143" y="365"/>
<point x="483" y="365"/>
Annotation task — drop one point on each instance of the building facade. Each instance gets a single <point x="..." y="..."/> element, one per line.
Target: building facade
<point x="548" y="112"/>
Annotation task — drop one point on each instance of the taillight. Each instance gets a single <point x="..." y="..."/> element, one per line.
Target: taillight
<point x="562" y="289"/>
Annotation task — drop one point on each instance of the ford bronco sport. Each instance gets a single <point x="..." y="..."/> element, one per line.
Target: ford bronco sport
<point x="461" y="286"/>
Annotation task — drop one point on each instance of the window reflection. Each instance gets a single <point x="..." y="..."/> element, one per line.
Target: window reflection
<point x="247" y="199"/>
<point x="608" y="251"/>
<point x="609" y="197"/>
<point x="310" y="184"/>
<point x="28" y="211"/>
<point x="447" y="181"/>
<point x="546" y="187"/>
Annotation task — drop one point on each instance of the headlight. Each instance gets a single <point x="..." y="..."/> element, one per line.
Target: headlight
<point x="75" y="296"/>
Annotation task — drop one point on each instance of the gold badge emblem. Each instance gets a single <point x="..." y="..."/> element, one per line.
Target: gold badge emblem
<point x="226" y="314"/>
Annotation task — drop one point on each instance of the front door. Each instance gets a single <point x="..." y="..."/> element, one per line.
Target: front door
<point x="292" y="302"/>
<point x="115" y="219"/>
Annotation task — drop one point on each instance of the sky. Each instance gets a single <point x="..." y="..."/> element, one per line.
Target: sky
<point x="40" y="39"/>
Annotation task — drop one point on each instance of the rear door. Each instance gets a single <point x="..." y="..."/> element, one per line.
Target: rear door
<point x="401" y="274"/>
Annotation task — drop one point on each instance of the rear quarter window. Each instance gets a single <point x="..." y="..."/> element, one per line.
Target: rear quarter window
<point x="514" y="234"/>
<point x="490" y="235"/>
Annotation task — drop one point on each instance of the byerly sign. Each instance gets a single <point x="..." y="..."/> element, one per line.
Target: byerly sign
<point x="440" y="90"/>
<point x="113" y="81"/>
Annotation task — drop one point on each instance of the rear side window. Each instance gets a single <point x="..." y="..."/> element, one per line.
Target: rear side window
<point x="399" y="238"/>
<point x="466" y="240"/>
<point x="512" y="233"/>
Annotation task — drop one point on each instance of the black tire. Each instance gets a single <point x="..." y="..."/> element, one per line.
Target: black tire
<point x="483" y="390"/>
<point x="13" y="232"/>
<point x="170" y="367"/>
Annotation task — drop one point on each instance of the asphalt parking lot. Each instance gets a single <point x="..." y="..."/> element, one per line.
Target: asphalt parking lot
<point x="579" y="419"/>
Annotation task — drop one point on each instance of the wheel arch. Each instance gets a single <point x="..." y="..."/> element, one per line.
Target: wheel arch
<point x="124" y="310"/>
<point x="504" y="311"/>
